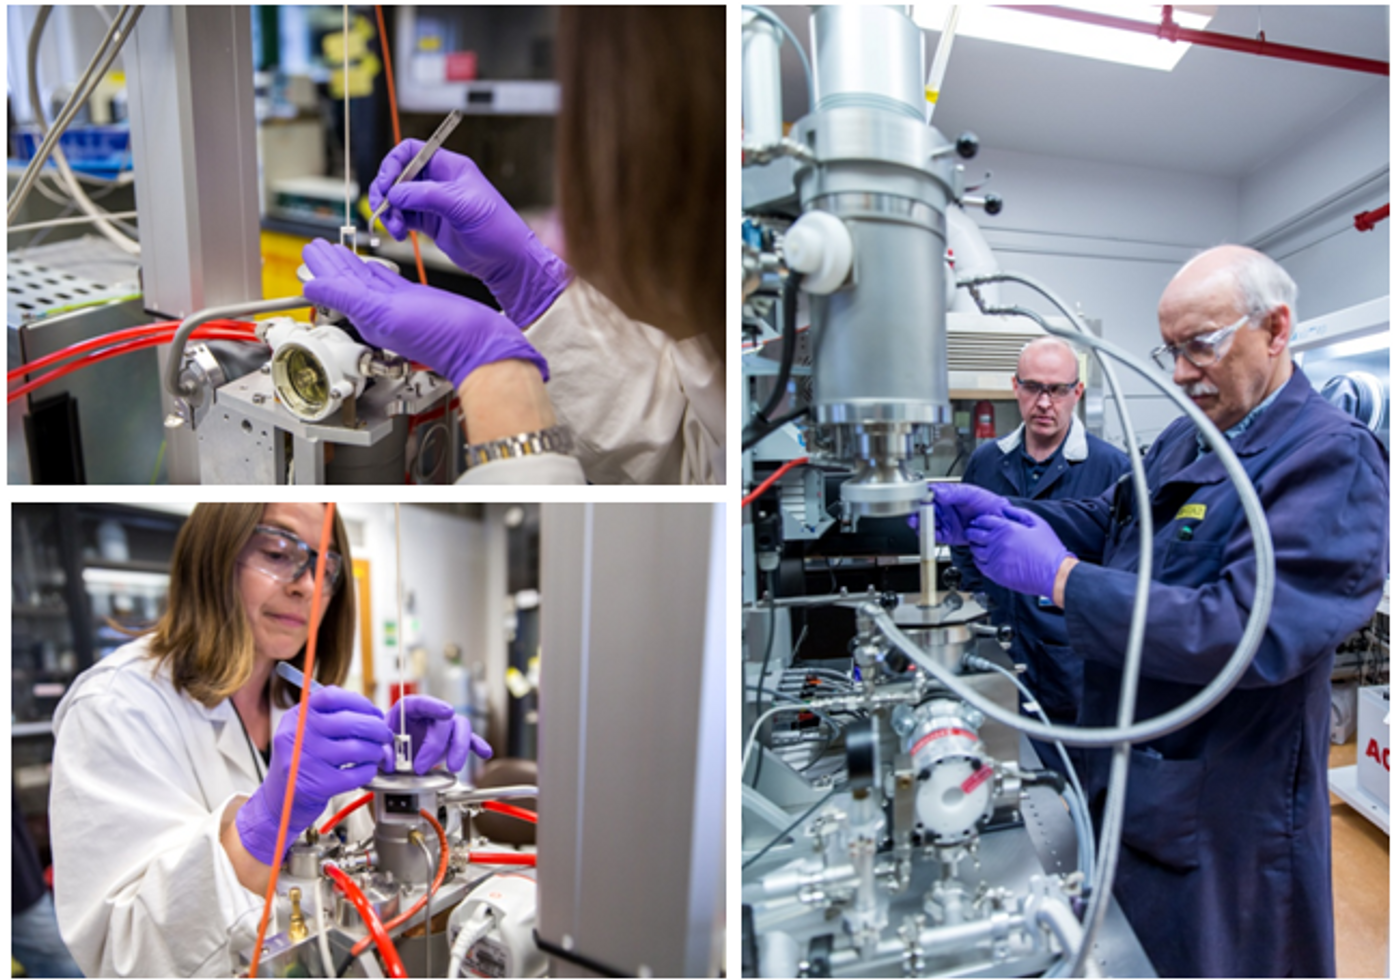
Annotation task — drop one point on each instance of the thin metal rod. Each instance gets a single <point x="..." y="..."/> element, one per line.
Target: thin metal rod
<point x="345" y="59"/>
<point x="398" y="561"/>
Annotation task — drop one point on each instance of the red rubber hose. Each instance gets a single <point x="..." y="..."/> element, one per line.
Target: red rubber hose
<point x="129" y="333"/>
<point x="500" y="857"/>
<point x="378" y="934"/>
<point x="96" y="357"/>
<point x="416" y="907"/>
<point x="519" y="813"/>
<point x="330" y="824"/>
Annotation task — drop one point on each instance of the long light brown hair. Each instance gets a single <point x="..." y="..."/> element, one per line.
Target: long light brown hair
<point x="205" y="636"/>
<point x="641" y="161"/>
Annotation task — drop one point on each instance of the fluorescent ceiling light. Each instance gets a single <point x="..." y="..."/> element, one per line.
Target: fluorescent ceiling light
<point x="1071" y="37"/>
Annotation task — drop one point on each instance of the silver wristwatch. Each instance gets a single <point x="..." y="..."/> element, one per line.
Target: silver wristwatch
<point x="555" y="439"/>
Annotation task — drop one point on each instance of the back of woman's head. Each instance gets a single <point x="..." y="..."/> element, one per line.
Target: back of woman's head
<point x="641" y="160"/>
<point x="205" y="635"/>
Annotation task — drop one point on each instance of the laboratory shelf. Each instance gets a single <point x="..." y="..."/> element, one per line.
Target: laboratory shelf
<point x="1343" y="782"/>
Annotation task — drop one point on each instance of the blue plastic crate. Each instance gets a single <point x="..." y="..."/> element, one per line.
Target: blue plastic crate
<point x="102" y="151"/>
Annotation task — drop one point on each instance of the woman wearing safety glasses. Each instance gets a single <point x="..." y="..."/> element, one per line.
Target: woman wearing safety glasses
<point x="172" y="755"/>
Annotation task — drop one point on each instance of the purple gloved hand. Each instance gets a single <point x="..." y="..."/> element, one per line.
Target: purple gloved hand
<point x="437" y="732"/>
<point x="454" y="205"/>
<point x="955" y="506"/>
<point x="1018" y="550"/>
<point x="342" y="729"/>
<point x="451" y="334"/>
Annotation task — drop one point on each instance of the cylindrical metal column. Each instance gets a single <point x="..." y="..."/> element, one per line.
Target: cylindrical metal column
<point x="763" y="85"/>
<point x="879" y="343"/>
<point x="868" y="57"/>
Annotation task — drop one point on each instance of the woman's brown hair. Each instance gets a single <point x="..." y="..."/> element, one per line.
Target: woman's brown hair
<point x="204" y="635"/>
<point x="641" y="161"/>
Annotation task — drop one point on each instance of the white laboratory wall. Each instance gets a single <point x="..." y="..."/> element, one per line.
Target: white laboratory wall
<point x="446" y="580"/>
<point x="1299" y="207"/>
<point x="1107" y="239"/>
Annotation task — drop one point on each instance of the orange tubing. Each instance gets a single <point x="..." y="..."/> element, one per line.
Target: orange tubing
<point x="309" y="669"/>
<point x="330" y="824"/>
<point x="416" y="907"/>
<point x="378" y="933"/>
<point x="116" y="336"/>
<point x="519" y="813"/>
<point x="777" y="475"/>
<point x="132" y="345"/>
<point x="394" y="118"/>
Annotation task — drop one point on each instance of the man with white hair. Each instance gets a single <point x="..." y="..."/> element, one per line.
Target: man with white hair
<point x="1225" y="865"/>
<point x="1050" y="456"/>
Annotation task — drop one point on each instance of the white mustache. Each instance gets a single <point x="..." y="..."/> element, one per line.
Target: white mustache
<point x="1199" y="389"/>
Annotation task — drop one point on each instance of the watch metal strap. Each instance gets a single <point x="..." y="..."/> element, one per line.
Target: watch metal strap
<point x="555" y="439"/>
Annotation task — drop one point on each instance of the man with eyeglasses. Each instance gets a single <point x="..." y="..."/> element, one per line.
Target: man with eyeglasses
<point x="1225" y="865"/>
<point x="1050" y="456"/>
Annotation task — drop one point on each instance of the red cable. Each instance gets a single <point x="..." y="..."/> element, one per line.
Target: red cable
<point x="519" y="813"/>
<point x="777" y="475"/>
<point x="377" y="932"/>
<point x="413" y="909"/>
<point x="94" y="358"/>
<point x="500" y="857"/>
<point x="116" y="336"/>
<point x="394" y="119"/>
<point x="309" y="669"/>
<point x="330" y="824"/>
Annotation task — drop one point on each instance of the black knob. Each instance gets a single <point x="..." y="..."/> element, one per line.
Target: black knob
<point x="898" y="662"/>
<point x="952" y="577"/>
<point x="967" y="145"/>
<point x="993" y="204"/>
<point x="889" y="600"/>
<point x="1004" y="634"/>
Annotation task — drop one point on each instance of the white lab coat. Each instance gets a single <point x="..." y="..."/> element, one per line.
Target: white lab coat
<point x="141" y="778"/>
<point x="643" y="408"/>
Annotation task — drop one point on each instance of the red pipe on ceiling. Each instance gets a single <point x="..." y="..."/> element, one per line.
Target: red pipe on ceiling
<point x="1169" y="30"/>
<point x="1366" y="220"/>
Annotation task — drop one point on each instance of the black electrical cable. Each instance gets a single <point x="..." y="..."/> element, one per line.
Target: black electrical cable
<point x="962" y="451"/>
<point x="753" y="435"/>
<point x="576" y="958"/>
<point x="760" y="422"/>
<point x="790" y="828"/>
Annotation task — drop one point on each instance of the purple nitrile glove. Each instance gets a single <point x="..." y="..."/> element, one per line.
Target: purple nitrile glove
<point x="342" y="729"/>
<point x="454" y="205"/>
<point x="1018" y="550"/>
<point x="451" y="334"/>
<point x="437" y="732"/>
<point x="955" y="506"/>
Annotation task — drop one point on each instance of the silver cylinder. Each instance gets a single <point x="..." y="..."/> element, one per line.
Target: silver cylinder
<point x="868" y="57"/>
<point x="881" y="348"/>
<point x="763" y="85"/>
<point x="879" y="344"/>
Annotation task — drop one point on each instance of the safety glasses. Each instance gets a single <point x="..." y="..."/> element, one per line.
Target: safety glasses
<point x="284" y="557"/>
<point x="1203" y="351"/>
<point x="1034" y="389"/>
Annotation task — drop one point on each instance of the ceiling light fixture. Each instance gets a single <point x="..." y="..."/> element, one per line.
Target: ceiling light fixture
<point x="1068" y="37"/>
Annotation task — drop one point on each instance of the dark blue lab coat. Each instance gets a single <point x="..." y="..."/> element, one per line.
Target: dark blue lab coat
<point x="1084" y="466"/>
<point x="1226" y="860"/>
